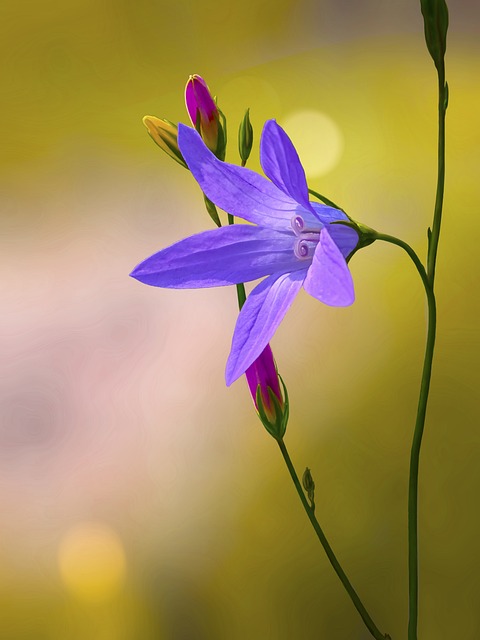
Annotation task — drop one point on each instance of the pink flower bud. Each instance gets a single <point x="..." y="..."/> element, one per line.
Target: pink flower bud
<point x="262" y="375"/>
<point x="202" y="110"/>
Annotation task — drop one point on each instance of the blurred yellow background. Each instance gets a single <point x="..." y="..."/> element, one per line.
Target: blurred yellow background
<point x="141" y="498"/>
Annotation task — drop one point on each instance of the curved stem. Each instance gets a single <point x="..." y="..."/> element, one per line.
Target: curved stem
<point x="429" y="281"/>
<point x="413" y="256"/>
<point x="376" y="633"/>
<point x="417" y="436"/>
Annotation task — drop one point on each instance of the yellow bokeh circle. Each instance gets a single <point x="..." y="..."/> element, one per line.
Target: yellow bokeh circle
<point x="92" y="562"/>
<point x="317" y="138"/>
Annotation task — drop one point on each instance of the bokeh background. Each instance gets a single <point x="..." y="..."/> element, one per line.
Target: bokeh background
<point x="141" y="498"/>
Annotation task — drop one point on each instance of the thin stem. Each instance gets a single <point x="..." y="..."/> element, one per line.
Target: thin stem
<point x="414" y="257"/>
<point x="417" y="437"/>
<point x="376" y="633"/>
<point x="437" y="215"/>
<point x="414" y="466"/>
<point x="241" y="295"/>
<point x="427" y="365"/>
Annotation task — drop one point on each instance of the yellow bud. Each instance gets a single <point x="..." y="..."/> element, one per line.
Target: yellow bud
<point x="165" y="134"/>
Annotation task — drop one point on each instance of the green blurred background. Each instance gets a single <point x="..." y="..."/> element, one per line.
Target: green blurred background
<point x="139" y="497"/>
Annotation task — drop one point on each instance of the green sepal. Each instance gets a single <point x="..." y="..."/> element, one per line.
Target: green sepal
<point x="221" y="149"/>
<point x="435" y="18"/>
<point x="278" y="426"/>
<point x="212" y="211"/>
<point x="366" y="235"/>
<point x="245" y="137"/>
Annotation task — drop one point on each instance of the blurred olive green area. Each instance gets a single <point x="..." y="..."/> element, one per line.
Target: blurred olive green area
<point x="140" y="497"/>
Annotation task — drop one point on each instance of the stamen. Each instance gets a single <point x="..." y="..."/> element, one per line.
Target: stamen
<point x="298" y="224"/>
<point x="307" y="237"/>
<point x="301" y="249"/>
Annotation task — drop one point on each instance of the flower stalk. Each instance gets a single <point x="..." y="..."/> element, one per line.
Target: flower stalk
<point x="310" y="511"/>
<point x="435" y="15"/>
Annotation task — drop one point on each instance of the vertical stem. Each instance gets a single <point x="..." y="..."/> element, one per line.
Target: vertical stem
<point x="241" y="295"/>
<point x="417" y="435"/>
<point x="414" y="467"/>
<point x="376" y="633"/>
<point x="437" y="215"/>
<point x="427" y="366"/>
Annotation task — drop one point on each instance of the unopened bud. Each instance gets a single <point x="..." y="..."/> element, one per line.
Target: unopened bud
<point x="165" y="134"/>
<point x="264" y="384"/>
<point x="203" y="112"/>
<point x="309" y="486"/>
<point x="435" y="17"/>
<point x="245" y="137"/>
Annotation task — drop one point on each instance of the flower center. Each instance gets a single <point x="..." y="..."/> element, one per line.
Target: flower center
<point x="307" y="238"/>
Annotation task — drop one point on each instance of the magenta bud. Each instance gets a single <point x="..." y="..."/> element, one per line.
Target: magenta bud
<point x="264" y="384"/>
<point x="202" y="110"/>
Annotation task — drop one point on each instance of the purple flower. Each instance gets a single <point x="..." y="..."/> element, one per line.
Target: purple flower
<point x="291" y="241"/>
<point x="202" y="110"/>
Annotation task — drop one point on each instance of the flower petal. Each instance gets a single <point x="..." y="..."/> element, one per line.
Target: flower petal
<point x="327" y="214"/>
<point x="281" y="163"/>
<point x="236" y="190"/>
<point x="237" y="253"/>
<point x="328" y="278"/>
<point x="344" y="237"/>
<point x="259" y="318"/>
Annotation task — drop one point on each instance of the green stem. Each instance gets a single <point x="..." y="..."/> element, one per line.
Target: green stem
<point x="437" y="215"/>
<point x="241" y="295"/>
<point x="414" y="466"/>
<point x="376" y="633"/>
<point x="417" y="437"/>
<point x="406" y="247"/>
<point x="427" y="366"/>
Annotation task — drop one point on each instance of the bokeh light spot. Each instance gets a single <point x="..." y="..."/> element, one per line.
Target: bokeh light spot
<point x="317" y="138"/>
<point x="92" y="562"/>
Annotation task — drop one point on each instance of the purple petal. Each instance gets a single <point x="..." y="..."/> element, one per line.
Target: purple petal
<point x="328" y="278"/>
<point x="327" y="214"/>
<point x="344" y="237"/>
<point x="281" y="163"/>
<point x="259" y="318"/>
<point x="236" y="190"/>
<point x="238" y="253"/>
